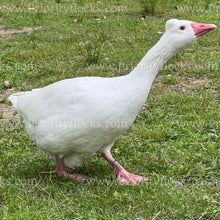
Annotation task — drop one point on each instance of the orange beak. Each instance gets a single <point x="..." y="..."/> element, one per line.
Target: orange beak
<point x="201" y="29"/>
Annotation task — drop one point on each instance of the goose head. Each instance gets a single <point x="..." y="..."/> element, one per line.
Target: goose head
<point x="182" y="33"/>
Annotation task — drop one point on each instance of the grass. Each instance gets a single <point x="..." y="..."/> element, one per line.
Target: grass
<point x="91" y="53"/>
<point x="175" y="137"/>
<point x="149" y="7"/>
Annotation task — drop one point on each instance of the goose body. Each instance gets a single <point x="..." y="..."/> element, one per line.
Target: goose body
<point x="72" y="116"/>
<point x="75" y="118"/>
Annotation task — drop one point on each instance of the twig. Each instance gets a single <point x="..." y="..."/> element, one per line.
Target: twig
<point x="53" y="171"/>
<point x="156" y="215"/>
<point x="204" y="213"/>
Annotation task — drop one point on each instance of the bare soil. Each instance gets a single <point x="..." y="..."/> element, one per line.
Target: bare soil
<point x="6" y="108"/>
<point x="10" y="32"/>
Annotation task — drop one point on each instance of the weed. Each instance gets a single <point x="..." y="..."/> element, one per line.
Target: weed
<point x="149" y="6"/>
<point x="171" y="80"/>
<point x="91" y="52"/>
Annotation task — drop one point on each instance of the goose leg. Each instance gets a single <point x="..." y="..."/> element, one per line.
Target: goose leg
<point x="123" y="176"/>
<point x="61" y="172"/>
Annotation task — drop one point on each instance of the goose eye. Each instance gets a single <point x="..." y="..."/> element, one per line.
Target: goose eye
<point x="182" y="27"/>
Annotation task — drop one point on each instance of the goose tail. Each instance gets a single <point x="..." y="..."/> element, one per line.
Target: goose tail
<point x="14" y="98"/>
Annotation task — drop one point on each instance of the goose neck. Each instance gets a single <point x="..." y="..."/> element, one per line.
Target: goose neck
<point x="154" y="60"/>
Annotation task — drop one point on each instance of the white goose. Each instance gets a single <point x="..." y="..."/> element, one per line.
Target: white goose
<point x="75" y="118"/>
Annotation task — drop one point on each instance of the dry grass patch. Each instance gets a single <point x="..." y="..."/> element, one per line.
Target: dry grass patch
<point x="10" y="32"/>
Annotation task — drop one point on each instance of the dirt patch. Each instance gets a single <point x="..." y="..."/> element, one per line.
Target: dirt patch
<point x="186" y="82"/>
<point x="6" y="109"/>
<point x="200" y="81"/>
<point x="6" y="93"/>
<point x="10" y="32"/>
<point x="8" y="112"/>
<point x="191" y="83"/>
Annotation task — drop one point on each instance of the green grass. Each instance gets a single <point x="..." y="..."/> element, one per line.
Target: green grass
<point x="174" y="140"/>
<point x="149" y="7"/>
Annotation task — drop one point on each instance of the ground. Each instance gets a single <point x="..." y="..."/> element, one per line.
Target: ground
<point x="174" y="140"/>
